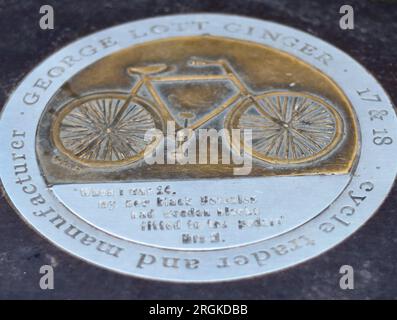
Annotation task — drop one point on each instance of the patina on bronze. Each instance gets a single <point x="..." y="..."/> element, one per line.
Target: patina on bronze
<point x="219" y="83"/>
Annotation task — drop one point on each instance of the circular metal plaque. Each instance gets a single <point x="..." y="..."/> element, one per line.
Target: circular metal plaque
<point x="103" y="147"/>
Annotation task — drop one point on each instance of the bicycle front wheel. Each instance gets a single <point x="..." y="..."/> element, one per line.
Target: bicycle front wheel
<point x="288" y="127"/>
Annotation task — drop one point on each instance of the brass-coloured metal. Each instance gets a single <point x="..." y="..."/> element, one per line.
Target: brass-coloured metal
<point x="93" y="146"/>
<point x="206" y="82"/>
<point x="333" y="128"/>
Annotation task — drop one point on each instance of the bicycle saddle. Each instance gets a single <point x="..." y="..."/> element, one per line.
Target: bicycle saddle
<point x="150" y="69"/>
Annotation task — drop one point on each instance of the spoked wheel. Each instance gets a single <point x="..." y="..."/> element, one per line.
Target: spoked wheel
<point x="106" y="129"/>
<point x="288" y="127"/>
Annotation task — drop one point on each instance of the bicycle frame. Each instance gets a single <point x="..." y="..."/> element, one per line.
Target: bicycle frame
<point x="148" y="80"/>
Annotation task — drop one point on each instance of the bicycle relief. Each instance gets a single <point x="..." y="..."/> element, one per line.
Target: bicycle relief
<point x="107" y="129"/>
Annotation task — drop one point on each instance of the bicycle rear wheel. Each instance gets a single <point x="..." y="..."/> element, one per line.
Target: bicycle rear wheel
<point x="105" y="129"/>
